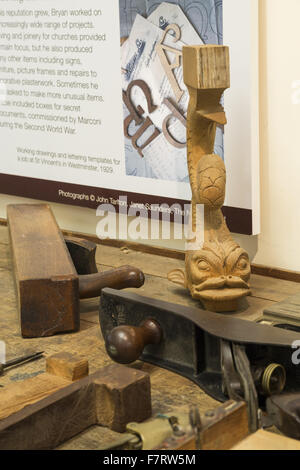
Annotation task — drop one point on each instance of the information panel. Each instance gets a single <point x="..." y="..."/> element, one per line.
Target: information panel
<point x="74" y="80"/>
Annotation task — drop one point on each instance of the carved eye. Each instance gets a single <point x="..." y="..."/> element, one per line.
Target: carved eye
<point x="242" y="264"/>
<point x="203" y="265"/>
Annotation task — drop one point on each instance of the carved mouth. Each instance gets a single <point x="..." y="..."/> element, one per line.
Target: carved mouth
<point x="230" y="293"/>
<point x="221" y="283"/>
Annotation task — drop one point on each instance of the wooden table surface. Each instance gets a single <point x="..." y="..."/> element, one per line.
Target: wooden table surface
<point x="170" y="392"/>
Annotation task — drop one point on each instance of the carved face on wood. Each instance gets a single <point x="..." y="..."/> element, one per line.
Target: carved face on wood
<point x="217" y="273"/>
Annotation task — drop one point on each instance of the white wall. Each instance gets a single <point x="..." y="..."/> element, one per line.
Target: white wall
<point x="279" y="242"/>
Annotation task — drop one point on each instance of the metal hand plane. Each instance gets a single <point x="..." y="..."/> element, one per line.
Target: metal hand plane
<point x="225" y="356"/>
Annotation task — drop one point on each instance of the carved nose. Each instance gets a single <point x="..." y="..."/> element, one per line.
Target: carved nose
<point x="230" y="279"/>
<point x="234" y="281"/>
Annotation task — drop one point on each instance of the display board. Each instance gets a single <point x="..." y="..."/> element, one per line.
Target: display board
<point x="93" y="104"/>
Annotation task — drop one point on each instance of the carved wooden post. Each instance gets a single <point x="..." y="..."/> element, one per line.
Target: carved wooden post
<point x="218" y="272"/>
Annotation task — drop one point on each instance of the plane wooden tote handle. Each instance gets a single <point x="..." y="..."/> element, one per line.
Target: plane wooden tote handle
<point x="125" y="344"/>
<point x="90" y="285"/>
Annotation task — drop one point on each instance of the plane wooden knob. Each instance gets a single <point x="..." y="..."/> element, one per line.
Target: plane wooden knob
<point x="125" y="344"/>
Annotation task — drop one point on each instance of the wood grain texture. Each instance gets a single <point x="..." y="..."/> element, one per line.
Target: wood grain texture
<point x="286" y="311"/>
<point x="38" y="243"/>
<point x="18" y="396"/>
<point x="156" y="268"/>
<point x="94" y="438"/>
<point x="69" y="366"/>
<point x="111" y="397"/>
<point x="273" y="289"/>
<point x="225" y="426"/>
<point x="5" y="258"/>
<point x="265" y="271"/>
<point x="171" y="393"/>
<point x="261" y="270"/>
<point x="265" y="288"/>
<point x="250" y="308"/>
<point x="264" y="440"/>
<point x="206" y="67"/>
<point x="47" y="423"/>
<point x="123" y="395"/>
<point x="61" y="369"/>
<point x="48" y="285"/>
<point x="4" y="236"/>
<point x="46" y="279"/>
<point x="276" y="273"/>
<point x="154" y="265"/>
<point x="217" y="270"/>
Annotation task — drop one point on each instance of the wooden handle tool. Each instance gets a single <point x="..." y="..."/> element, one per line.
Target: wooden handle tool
<point x="48" y="280"/>
<point x="124" y="277"/>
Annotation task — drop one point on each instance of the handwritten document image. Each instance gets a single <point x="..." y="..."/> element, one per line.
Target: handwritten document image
<point x="155" y="98"/>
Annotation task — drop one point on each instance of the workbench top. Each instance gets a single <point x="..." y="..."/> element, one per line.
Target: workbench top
<point x="170" y="392"/>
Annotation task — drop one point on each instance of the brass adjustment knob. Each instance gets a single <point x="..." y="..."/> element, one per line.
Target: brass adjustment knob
<point x="273" y="380"/>
<point x="125" y="344"/>
<point x="269" y="379"/>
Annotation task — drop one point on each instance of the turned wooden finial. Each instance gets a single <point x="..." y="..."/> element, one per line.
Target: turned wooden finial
<point x="218" y="272"/>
